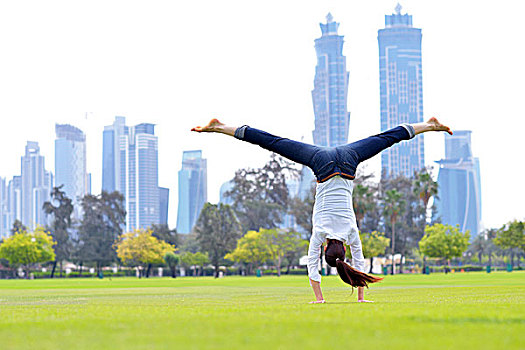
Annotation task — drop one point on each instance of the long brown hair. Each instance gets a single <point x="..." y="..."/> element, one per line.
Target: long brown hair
<point x="335" y="256"/>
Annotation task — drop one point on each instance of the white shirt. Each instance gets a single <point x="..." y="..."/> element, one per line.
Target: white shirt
<point x="334" y="218"/>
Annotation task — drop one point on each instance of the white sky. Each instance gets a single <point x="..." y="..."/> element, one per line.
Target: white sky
<point x="179" y="63"/>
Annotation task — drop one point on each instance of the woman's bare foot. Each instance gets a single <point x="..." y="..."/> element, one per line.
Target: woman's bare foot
<point x="430" y="125"/>
<point x="216" y="126"/>
<point x="213" y="126"/>
<point x="435" y="125"/>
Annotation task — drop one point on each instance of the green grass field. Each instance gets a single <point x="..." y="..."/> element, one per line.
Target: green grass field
<point x="454" y="311"/>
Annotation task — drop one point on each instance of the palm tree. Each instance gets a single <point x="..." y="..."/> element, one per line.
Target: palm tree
<point x="363" y="200"/>
<point x="172" y="260"/>
<point x="425" y="187"/>
<point x="393" y="207"/>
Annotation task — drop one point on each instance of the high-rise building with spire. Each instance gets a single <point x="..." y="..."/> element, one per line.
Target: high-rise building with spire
<point x="401" y="91"/>
<point x="330" y="93"/>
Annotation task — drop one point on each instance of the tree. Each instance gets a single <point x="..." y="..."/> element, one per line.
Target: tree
<point x="18" y="227"/>
<point x="363" y="200"/>
<point x="260" y="196"/>
<point x="483" y="244"/>
<point x="410" y="225"/>
<point x="163" y="232"/>
<point x="425" y="187"/>
<point x="251" y="250"/>
<point x="393" y="207"/>
<point x="374" y="244"/>
<point x="444" y="241"/>
<point x="297" y="248"/>
<point x="194" y="260"/>
<point x="511" y="237"/>
<point x="140" y="248"/>
<point x="101" y="226"/>
<point x="279" y="243"/>
<point x="60" y="226"/>
<point x="200" y="259"/>
<point x="301" y="209"/>
<point x="27" y="249"/>
<point x="172" y="261"/>
<point x="217" y="230"/>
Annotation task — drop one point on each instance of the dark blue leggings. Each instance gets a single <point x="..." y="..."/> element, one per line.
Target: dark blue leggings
<point x="326" y="162"/>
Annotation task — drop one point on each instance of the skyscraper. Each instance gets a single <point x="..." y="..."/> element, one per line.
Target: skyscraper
<point x="401" y="91"/>
<point x="70" y="164"/>
<point x="164" y="198"/>
<point x="36" y="185"/>
<point x="14" y="200"/>
<point x="330" y="93"/>
<point x="112" y="167"/>
<point x="459" y="185"/>
<point x="193" y="192"/>
<point x="130" y="166"/>
<point x="4" y="212"/>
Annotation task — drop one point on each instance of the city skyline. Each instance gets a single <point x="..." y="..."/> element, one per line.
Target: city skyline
<point x="119" y="68"/>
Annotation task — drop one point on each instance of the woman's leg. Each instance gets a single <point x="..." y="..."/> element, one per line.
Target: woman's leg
<point x="299" y="152"/>
<point x="369" y="147"/>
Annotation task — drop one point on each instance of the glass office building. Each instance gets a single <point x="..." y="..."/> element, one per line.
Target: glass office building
<point x="330" y="93"/>
<point x="459" y="196"/>
<point x="401" y="91"/>
<point x="193" y="191"/>
<point x="130" y="166"/>
<point x="70" y="164"/>
<point x="34" y="187"/>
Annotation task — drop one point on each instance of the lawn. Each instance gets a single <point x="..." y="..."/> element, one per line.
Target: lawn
<point x="454" y="311"/>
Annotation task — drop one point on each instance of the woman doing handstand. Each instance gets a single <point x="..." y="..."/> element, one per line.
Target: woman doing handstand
<point x="333" y="216"/>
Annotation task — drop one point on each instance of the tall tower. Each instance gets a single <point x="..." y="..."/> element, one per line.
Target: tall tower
<point x="130" y="166"/>
<point x="193" y="191"/>
<point x="4" y="211"/>
<point x="36" y="185"/>
<point x="112" y="167"/>
<point x="401" y="91"/>
<point x="70" y="164"/>
<point x="459" y="193"/>
<point x="330" y="93"/>
<point x="14" y="201"/>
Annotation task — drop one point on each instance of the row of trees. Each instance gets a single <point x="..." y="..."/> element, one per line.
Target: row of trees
<point x="391" y="214"/>
<point x="91" y="241"/>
